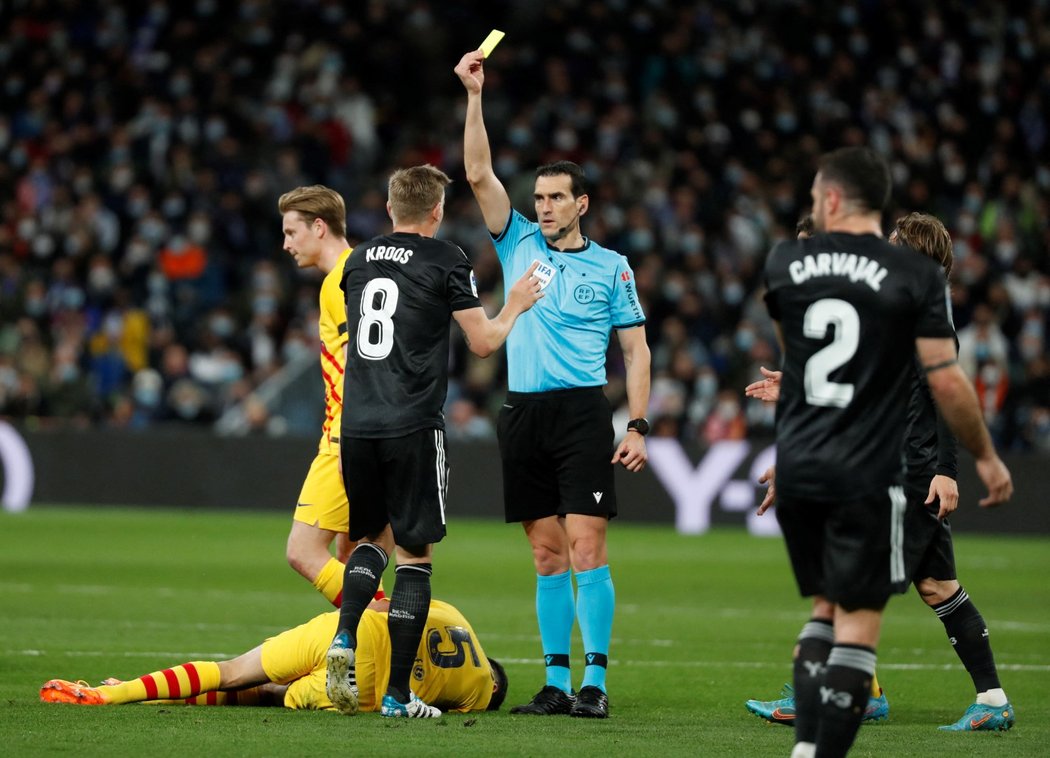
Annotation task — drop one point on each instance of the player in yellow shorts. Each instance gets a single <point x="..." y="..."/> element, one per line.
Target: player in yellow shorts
<point x="452" y="671"/>
<point x="314" y="223"/>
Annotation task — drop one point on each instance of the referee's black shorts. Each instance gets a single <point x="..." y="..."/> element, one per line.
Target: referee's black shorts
<point x="557" y="450"/>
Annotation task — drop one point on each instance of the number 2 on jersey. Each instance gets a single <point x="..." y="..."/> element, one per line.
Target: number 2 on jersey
<point x="375" y="330"/>
<point x="819" y="317"/>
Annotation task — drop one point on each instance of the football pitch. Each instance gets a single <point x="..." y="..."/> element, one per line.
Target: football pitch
<point x="703" y="624"/>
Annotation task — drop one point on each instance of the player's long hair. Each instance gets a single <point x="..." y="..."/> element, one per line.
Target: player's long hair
<point x="316" y="201"/>
<point x="926" y="234"/>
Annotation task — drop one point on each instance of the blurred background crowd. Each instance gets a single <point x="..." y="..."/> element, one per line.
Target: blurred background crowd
<point x="143" y="146"/>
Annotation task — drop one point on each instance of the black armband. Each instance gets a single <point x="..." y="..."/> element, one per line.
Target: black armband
<point x="939" y="366"/>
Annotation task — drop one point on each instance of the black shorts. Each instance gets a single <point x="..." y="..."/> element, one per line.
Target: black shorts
<point x="401" y="481"/>
<point x="557" y="450"/>
<point x="850" y="552"/>
<point x="928" y="551"/>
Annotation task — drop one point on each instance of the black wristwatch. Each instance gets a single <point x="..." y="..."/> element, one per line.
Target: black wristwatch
<point x="639" y="425"/>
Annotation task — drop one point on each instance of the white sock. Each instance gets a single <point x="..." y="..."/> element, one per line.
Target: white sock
<point x="995" y="698"/>
<point x="804" y="750"/>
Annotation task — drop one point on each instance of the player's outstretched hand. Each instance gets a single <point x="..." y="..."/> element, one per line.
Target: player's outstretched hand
<point x="946" y="490"/>
<point x="996" y="478"/>
<point x="767" y="389"/>
<point x="527" y="291"/>
<point x="771" y="492"/>
<point x="471" y="71"/>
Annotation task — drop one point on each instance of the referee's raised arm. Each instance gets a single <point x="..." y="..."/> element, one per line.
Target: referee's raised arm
<point x="477" y="157"/>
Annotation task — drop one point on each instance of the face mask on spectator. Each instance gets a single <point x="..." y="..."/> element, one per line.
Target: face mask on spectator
<point x="101" y="280"/>
<point x="966" y="225"/>
<point x="707" y="385"/>
<point x="222" y="326"/>
<point x="43" y="246"/>
<point x="728" y="409"/>
<point x="519" y="136"/>
<point x="173" y="206"/>
<point x="990" y="374"/>
<point x="199" y="230"/>
<point x="72" y="299"/>
<point x="692" y="243"/>
<point x="293" y="350"/>
<point x="121" y="179"/>
<point x="641" y="239"/>
<point x="68" y="373"/>
<point x="35" y="307"/>
<point x="153" y="230"/>
<point x="733" y="293"/>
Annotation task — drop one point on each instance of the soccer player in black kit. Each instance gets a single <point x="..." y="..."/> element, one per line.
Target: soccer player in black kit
<point x="931" y="459"/>
<point x="402" y="291"/>
<point x="851" y="311"/>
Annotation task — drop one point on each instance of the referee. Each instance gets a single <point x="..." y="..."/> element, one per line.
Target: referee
<point x="555" y="429"/>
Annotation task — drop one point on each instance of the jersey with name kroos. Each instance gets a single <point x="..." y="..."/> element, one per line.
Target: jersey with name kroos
<point x="850" y="308"/>
<point x="401" y="290"/>
<point x="562" y="341"/>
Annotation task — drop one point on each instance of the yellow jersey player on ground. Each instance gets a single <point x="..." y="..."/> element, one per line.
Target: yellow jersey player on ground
<point x="314" y="223"/>
<point x="451" y="671"/>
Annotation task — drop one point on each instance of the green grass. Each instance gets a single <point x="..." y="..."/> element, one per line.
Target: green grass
<point x="703" y="623"/>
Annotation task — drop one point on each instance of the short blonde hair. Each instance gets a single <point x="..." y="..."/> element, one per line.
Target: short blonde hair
<point x="926" y="234"/>
<point x="413" y="192"/>
<point x="316" y="201"/>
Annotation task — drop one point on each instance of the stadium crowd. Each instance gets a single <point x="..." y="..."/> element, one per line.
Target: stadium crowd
<point x="143" y="146"/>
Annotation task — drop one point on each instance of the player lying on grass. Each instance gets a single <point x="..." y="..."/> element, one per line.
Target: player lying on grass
<point x="452" y="671"/>
<point x="929" y="555"/>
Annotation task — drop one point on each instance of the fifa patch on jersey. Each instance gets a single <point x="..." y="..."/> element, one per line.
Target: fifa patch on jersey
<point x="544" y="273"/>
<point x="473" y="283"/>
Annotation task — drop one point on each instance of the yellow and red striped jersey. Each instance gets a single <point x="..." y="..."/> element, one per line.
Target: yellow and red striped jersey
<point x="332" y="329"/>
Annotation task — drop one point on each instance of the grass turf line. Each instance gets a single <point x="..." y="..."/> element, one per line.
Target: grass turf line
<point x="703" y="623"/>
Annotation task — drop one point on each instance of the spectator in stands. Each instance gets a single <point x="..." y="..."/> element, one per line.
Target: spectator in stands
<point x="114" y="144"/>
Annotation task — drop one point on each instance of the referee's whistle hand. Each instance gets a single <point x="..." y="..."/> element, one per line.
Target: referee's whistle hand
<point x="631" y="453"/>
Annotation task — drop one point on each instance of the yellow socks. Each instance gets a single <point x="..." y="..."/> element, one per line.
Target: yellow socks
<point x="876" y="690"/>
<point x="329" y="582"/>
<point x="185" y="681"/>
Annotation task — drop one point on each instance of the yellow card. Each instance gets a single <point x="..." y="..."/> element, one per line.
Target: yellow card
<point x="491" y="41"/>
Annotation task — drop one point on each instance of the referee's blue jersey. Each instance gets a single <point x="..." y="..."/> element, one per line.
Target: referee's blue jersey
<point x="561" y="342"/>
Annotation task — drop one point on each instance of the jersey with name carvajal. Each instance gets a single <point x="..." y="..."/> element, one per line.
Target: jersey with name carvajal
<point x="401" y="290"/>
<point x="562" y="341"/>
<point x="850" y="308"/>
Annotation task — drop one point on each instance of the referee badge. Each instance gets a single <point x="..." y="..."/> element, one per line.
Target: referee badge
<point x="473" y="283"/>
<point x="544" y="272"/>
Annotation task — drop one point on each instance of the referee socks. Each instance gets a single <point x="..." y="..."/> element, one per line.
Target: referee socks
<point x="556" y="612"/>
<point x="595" y="603"/>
